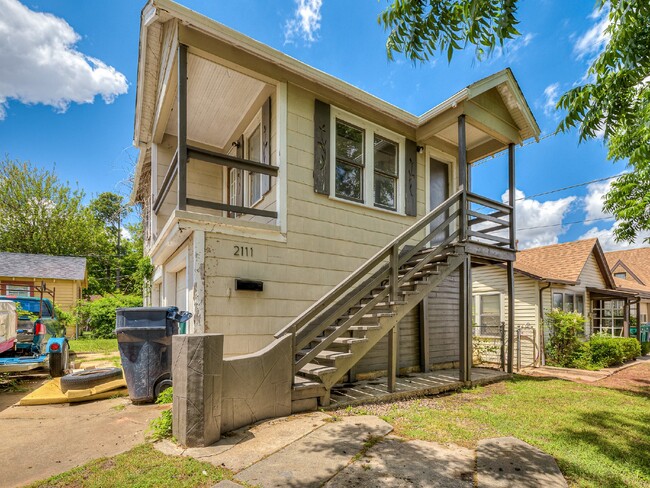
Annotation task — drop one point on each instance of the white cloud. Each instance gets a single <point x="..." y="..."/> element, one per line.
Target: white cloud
<point x="511" y="47"/>
<point x="305" y="22"/>
<point x="539" y="223"/>
<point x="551" y="95"/>
<point x="606" y="238"/>
<point x="40" y="63"/>
<point x="592" y="42"/>
<point x="593" y="201"/>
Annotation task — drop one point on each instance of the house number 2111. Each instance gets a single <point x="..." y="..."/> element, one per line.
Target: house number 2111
<point x="244" y="251"/>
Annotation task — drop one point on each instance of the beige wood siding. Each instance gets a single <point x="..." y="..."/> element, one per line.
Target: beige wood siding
<point x="326" y="240"/>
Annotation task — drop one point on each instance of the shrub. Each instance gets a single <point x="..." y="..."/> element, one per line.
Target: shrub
<point x="609" y="351"/>
<point x="645" y="348"/>
<point x="566" y="330"/>
<point x="99" y="315"/>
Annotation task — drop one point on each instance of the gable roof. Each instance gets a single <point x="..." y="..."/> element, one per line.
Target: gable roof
<point x="562" y="263"/>
<point x="21" y="265"/>
<point x="156" y="12"/>
<point x="636" y="263"/>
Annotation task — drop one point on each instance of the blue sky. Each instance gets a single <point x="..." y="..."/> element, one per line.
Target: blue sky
<point x="46" y="118"/>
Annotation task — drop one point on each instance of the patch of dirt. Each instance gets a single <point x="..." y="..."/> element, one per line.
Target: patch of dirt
<point x="635" y="378"/>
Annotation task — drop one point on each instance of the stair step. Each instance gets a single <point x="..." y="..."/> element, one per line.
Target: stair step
<point x="357" y="327"/>
<point x="380" y="304"/>
<point x="345" y="341"/>
<point x="314" y="370"/>
<point x="328" y="355"/>
<point x="371" y="315"/>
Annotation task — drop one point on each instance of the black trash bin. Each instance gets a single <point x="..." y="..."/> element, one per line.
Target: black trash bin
<point x="144" y="337"/>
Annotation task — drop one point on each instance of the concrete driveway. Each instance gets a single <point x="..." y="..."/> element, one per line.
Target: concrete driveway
<point x="41" y="441"/>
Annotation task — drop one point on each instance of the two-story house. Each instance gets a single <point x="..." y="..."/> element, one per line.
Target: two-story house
<point x="281" y="200"/>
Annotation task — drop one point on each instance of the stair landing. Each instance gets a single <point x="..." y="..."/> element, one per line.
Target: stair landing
<point x="411" y="385"/>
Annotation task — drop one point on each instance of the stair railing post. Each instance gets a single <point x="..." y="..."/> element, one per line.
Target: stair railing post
<point x="294" y="341"/>
<point x="394" y="269"/>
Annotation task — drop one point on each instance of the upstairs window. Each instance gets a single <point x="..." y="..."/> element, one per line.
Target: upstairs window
<point x="349" y="161"/>
<point x="368" y="163"/>
<point x="620" y="275"/>
<point x="386" y="169"/>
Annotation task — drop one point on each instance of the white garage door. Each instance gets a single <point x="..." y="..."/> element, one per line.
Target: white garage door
<point x="181" y="290"/>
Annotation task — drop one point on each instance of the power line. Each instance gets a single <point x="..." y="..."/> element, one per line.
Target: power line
<point x="565" y="223"/>
<point x="568" y="187"/>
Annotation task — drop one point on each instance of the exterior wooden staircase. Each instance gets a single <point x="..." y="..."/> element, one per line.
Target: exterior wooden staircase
<point x="337" y="331"/>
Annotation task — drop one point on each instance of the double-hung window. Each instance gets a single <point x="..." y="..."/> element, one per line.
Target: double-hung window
<point x="487" y="314"/>
<point x="386" y="167"/>
<point x="350" y="161"/>
<point x="369" y="162"/>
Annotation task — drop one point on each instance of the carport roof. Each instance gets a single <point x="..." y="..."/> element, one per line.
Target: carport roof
<point x="20" y="265"/>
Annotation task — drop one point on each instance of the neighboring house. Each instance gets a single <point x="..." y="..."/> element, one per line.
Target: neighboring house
<point x="631" y="270"/>
<point x="281" y="201"/>
<point x="22" y="275"/>
<point x="573" y="276"/>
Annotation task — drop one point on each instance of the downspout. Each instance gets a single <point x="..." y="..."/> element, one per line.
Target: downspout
<point x="542" y="353"/>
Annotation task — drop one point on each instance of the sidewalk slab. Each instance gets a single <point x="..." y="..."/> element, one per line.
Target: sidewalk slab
<point x="506" y="462"/>
<point x="248" y="445"/>
<point x="318" y="456"/>
<point x="394" y="462"/>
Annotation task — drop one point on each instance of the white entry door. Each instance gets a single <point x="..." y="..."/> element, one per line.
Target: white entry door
<point x="181" y="289"/>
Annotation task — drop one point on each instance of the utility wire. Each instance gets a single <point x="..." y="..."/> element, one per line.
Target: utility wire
<point x="565" y="223"/>
<point x="568" y="187"/>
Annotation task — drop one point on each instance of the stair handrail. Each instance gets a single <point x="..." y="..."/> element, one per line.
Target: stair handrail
<point x="389" y="250"/>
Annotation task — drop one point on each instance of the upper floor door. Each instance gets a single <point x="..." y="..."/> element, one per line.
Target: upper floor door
<point x="439" y="180"/>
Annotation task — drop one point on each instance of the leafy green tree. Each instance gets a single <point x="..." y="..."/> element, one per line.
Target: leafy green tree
<point x="614" y="100"/>
<point x="40" y="214"/>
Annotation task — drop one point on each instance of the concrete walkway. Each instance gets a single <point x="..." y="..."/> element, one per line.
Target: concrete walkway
<point x="316" y="449"/>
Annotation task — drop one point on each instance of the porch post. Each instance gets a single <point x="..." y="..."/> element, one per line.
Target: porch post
<point x="511" y="195"/>
<point x="638" y="320"/>
<point x="392" y="358"/>
<point x="464" y="320"/>
<point x="462" y="177"/>
<point x="510" y="265"/>
<point x="462" y="153"/>
<point x="626" y="318"/>
<point x="182" y="127"/>
<point x="510" y="270"/>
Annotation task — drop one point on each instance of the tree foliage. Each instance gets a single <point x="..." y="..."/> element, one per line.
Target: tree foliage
<point x="40" y="214"/>
<point x="613" y="100"/>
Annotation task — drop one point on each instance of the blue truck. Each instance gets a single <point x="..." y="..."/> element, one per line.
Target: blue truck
<point x="30" y="336"/>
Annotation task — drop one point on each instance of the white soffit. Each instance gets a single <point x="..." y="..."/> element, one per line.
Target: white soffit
<point x="217" y="98"/>
<point x="474" y="137"/>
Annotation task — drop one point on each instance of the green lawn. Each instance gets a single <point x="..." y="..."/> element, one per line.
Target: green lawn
<point x="93" y="345"/>
<point x="599" y="437"/>
<point x="141" y="467"/>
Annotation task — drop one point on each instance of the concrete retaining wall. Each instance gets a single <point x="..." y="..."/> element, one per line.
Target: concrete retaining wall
<point x="213" y="395"/>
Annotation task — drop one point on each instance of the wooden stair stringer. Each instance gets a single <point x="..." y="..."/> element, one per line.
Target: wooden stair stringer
<point x="343" y="365"/>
